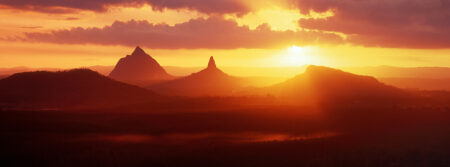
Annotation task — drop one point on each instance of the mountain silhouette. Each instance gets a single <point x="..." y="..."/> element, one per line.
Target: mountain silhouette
<point x="210" y="81"/>
<point x="139" y="67"/>
<point x="3" y="76"/>
<point x="327" y="85"/>
<point x="66" y="89"/>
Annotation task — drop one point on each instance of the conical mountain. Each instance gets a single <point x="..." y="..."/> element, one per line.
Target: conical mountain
<point x="210" y="81"/>
<point x="139" y="66"/>
<point x="211" y="71"/>
<point x="211" y="63"/>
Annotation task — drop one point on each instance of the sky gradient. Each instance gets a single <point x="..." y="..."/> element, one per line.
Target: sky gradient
<point x="69" y="34"/>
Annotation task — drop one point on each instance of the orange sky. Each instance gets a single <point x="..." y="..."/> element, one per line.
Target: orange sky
<point x="62" y="34"/>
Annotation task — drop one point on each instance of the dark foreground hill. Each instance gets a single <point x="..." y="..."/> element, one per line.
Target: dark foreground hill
<point x="66" y="89"/>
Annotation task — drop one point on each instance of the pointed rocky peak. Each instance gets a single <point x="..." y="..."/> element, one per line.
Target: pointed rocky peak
<point x="211" y="63"/>
<point x="139" y="66"/>
<point x="138" y="51"/>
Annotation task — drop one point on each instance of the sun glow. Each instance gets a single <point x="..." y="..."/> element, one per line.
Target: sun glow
<point x="295" y="49"/>
<point x="297" y="56"/>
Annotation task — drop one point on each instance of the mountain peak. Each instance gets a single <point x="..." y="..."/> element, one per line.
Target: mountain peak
<point x="138" y="51"/>
<point x="139" y="66"/>
<point x="210" y="81"/>
<point x="211" y="63"/>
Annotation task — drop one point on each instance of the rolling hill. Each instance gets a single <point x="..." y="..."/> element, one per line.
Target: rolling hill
<point x="67" y="89"/>
<point x="327" y="85"/>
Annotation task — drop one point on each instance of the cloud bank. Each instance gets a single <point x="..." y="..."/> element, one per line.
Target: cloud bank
<point x="211" y="33"/>
<point x="373" y="23"/>
<point x="61" y="6"/>
<point x="384" y="23"/>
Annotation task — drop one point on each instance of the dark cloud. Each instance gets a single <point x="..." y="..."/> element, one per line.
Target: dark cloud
<point x="212" y="33"/>
<point x="61" y="6"/>
<point x="385" y="23"/>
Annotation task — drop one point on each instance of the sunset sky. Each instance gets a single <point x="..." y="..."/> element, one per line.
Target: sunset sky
<point x="69" y="34"/>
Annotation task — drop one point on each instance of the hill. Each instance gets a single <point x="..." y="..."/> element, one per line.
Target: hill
<point x="210" y="81"/>
<point x="327" y="85"/>
<point x="67" y="89"/>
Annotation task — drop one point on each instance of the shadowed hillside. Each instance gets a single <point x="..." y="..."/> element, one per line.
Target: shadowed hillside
<point x="74" y="88"/>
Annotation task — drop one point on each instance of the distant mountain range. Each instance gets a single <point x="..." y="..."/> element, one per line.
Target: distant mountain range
<point x="104" y="70"/>
<point x="401" y="72"/>
<point x="86" y="88"/>
<point x="67" y="89"/>
<point x="419" y="83"/>
<point x="425" y="78"/>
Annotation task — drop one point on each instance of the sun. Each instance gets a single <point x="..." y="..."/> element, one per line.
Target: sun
<point x="295" y="49"/>
<point x="297" y="56"/>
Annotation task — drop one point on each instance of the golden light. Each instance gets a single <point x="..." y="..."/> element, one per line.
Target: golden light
<point x="297" y="56"/>
<point x="278" y="19"/>
<point x="296" y="49"/>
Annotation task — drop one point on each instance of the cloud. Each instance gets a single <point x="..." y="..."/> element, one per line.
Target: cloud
<point x="63" y="6"/>
<point x="31" y="27"/>
<point x="71" y="18"/>
<point x="374" y="23"/>
<point x="384" y="23"/>
<point x="211" y="33"/>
